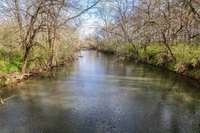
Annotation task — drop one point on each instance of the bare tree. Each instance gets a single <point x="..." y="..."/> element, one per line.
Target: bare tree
<point x="38" y="17"/>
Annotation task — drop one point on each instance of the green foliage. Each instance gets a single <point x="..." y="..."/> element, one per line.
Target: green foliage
<point x="10" y="57"/>
<point x="187" y="56"/>
<point x="40" y="55"/>
<point x="10" y="61"/>
<point x="163" y="59"/>
<point x="186" y="53"/>
<point x="195" y="73"/>
<point x="107" y="47"/>
<point x="11" y="52"/>
<point x="126" y="50"/>
<point x="154" y="54"/>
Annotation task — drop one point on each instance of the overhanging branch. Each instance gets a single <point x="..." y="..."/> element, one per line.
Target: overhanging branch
<point x="82" y="12"/>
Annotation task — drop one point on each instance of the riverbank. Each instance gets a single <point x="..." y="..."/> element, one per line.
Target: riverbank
<point x="186" y="63"/>
<point x="10" y="82"/>
<point x="15" y="77"/>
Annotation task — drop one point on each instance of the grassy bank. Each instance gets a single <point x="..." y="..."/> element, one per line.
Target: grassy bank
<point x="10" y="68"/>
<point x="187" y="57"/>
<point x="43" y="54"/>
<point x="11" y="75"/>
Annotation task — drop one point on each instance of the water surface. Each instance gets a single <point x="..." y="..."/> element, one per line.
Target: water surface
<point x="100" y="95"/>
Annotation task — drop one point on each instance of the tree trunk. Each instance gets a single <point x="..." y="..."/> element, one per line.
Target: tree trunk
<point x="167" y="46"/>
<point x="51" y="41"/>
<point x="25" y="60"/>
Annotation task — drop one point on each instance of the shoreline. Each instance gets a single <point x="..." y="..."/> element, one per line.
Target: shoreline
<point x="12" y="79"/>
<point x="16" y="77"/>
<point x="139" y="61"/>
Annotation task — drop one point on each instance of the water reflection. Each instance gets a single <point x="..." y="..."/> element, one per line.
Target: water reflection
<point x="100" y="95"/>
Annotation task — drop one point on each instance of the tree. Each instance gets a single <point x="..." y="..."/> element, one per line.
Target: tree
<point x="42" y="17"/>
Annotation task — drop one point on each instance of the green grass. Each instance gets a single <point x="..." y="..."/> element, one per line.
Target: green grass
<point x="8" y="67"/>
<point x="108" y="48"/>
<point x="9" y="61"/>
<point x="126" y="49"/>
<point x="187" y="58"/>
<point x="187" y="53"/>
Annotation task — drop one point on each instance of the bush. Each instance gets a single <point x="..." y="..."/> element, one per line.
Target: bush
<point x="127" y="50"/>
<point x="10" y="61"/>
<point x="163" y="59"/>
<point x="107" y="47"/>
<point x="186" y="54"/>
<point x="196" y="63"/>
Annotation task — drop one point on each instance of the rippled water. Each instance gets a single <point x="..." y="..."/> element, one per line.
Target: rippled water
<point x="100" y="95"/>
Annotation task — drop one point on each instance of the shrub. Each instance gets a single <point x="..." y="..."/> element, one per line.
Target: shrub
<point x="127" y="50"/>
<point x="163" y="59"/>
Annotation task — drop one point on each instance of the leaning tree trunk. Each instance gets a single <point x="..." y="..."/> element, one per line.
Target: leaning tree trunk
<point x="167" y="46"/>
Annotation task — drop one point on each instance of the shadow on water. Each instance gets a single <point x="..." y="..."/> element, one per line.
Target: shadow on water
<point x="60" y="72"/>
<point x="99" y="95"/>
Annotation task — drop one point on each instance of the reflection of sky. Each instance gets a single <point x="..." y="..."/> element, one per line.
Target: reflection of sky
<point x="91" y="67"/>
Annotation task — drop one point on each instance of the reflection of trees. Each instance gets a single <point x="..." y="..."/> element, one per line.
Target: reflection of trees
<point x="182" y="90"/>
<point x="6" y="92"/>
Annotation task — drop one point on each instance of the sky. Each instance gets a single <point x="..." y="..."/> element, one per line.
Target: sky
<point x="89" y="23"/>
